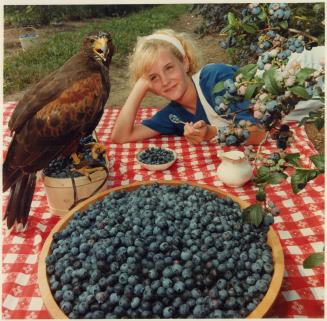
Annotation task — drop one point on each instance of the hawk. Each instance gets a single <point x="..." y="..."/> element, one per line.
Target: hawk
<point x="51" y="118"/>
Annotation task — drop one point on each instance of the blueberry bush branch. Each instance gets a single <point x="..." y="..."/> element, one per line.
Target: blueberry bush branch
<point x="272" y="87"/>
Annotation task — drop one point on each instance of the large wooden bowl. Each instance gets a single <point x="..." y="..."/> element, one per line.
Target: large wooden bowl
<point x="273" y="241"/>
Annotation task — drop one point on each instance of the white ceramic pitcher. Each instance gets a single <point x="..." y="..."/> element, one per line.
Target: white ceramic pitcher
<point x="235" y="169"/>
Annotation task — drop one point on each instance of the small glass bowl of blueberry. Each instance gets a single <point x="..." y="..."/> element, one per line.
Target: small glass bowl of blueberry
<point x="156" y="158"/>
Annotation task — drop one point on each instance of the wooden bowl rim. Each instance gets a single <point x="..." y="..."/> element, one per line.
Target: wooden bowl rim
<point x="272" y="239"/>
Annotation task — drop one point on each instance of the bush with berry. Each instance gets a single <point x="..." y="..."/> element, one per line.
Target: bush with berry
<point x="269" y="89"/>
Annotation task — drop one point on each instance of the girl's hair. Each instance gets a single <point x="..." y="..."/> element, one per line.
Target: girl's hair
<point x="146" y="52"/>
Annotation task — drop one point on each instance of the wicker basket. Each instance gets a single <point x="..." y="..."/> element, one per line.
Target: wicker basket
<point x="60" y="191"/>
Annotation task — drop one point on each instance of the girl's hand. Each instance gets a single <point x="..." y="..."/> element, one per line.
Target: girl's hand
<point x="142" y="85"/>
<point x="196" y="133"/>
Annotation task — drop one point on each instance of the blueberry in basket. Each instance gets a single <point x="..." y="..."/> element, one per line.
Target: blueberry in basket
<point x="160" y="252"/>
<point x="64" y="167"/>
<point x="156" y="158"/>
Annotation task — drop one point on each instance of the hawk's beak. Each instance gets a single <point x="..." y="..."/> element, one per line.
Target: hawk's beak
<point x="101" y="49"/>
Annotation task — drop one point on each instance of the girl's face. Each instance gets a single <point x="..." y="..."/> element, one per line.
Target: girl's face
<point x="168" y="76"/>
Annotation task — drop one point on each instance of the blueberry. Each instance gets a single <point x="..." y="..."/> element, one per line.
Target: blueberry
<point x="168" y="312"/>
<point x="268" y="220"/>
<point x="66" y="307"/>
<point x="199" y="311"/>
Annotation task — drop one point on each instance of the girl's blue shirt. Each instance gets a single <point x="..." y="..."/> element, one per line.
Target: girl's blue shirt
<point x="210" y="75"/>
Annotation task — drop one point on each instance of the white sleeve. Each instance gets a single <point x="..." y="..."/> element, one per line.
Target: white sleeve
<point x="313" y="58"/>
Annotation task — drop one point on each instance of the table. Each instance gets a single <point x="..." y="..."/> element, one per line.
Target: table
<point x="300" y="226"/>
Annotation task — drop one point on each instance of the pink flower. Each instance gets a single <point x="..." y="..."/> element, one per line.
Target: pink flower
<point x="258" y="114"/>
<point x="242" y="90"/>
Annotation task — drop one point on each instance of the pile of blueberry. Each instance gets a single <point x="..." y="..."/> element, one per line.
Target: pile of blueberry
<point x="160" y="251"/>
<point x="155" y="156"/>
<point x="278" y="12"/>
<point x="283" y="48"/>
<point x="234" y="134"/>
<point x="63" y="167"/>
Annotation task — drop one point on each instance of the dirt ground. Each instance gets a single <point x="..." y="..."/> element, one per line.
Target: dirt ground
<point x="208" y="44"/>
<point x="120" y="88"/>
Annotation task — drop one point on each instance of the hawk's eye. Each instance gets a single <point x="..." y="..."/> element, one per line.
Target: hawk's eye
<point x="92" y="40"/>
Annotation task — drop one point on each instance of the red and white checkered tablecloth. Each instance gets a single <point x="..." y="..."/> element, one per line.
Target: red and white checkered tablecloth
<point x="300" y="226"/>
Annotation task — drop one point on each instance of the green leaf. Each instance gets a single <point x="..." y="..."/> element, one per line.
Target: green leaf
<point x="299" y="91"/>
<point x="253" y="214"/>
<point x="262" y="175"/>
<point x="250" y="90"/>
<point x="321" y="39"/>
<point x="276" y="178"/>
<point x="249" y="28"/>
<point x="319" y="123"/>
<point x="265" y="176"/>
<point x="293" y="159"/>
<point x="301" y="177"/>
<point x="271" y="83"/>
<point x="318" y="7"/>
<point x="284" y="24"/>
<point x="218" y="87"/>
<point x="262" y="15"/>
<point x="314" y="260"/>
<point x="226" y="29"/>
<point x="319" y="161"/>
<point x="303" y="74"/>
<point x="248" y="71"/>
<point x="303" y="121"/>
<point x="231" y="19"/>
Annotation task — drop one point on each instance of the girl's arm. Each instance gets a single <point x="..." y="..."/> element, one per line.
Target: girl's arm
<point x="124" y="130"/>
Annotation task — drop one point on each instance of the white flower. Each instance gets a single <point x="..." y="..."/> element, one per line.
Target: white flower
<point x="223" y="106"/>
<point x="316" y="74"/>
<point x="295" y="64"/>
<point x="273" y="53"/>
<point x="291" y="71"/>
<point x="238" y="131"/>
<point x="256" y="106"/>
<point x="262" y="108"/>
<point x="285" y="74"/>
<point x="242" y="123"/>
<point x="279" y="76"/>
<point x="239" y="77"/>
<point x="267" y="66"/>
<point x="258" y="114"/>
<point x="290" y="81"/>
<point x="263" y="96"/>
<point x="242" y="90"/>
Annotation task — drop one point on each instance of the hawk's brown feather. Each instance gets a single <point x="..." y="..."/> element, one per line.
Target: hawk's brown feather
<point x="51" y="118"/>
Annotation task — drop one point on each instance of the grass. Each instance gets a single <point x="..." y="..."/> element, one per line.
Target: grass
<point x="28" y="67"/>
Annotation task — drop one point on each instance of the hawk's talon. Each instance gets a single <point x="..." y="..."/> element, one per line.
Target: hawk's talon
<point x="75" y="158"/>
<point x="97" y="149"/>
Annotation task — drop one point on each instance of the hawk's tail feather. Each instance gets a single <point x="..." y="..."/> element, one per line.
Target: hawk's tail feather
<point x="20" y="199"/>
<point x="9" y="177"/>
